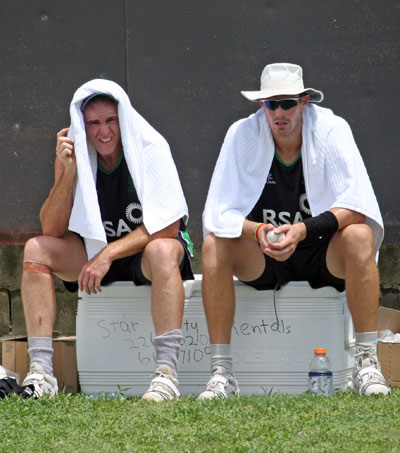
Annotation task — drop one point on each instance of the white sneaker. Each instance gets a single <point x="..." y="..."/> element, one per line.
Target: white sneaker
<point x="164" y="385"/>
<point x="368" y="379"/>
<point x="43" y="383"/>
<point x="3" y="372"/>
<point x="220" y="386"/>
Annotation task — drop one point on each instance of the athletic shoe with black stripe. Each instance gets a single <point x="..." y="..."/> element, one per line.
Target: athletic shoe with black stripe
<point x="43" y="383"/>
<point x="164" y="385"/>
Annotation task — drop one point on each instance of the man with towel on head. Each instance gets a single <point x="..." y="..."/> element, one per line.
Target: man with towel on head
<point x="290" y="200"/>
<point x="116" y="212"/>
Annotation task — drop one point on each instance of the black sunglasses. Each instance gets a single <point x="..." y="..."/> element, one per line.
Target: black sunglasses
<point x="286" y="104"/>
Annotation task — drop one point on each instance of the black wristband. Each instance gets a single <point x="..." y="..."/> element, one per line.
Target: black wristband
<point x="321" y="225"/>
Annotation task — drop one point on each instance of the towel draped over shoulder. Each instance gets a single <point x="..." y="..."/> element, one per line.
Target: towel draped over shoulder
<point x="334" y="172"/>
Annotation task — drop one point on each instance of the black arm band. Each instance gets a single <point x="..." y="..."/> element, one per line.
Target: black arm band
<point x="321" y="225"/>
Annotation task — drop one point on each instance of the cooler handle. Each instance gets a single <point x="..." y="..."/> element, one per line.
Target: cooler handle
<point x="191" y="286"/>
<point x="349" y="333"/>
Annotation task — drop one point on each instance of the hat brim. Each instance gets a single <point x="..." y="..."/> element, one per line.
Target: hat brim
<point x="256" y="96"/>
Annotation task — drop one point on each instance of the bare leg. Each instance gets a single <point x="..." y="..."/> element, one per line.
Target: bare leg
<point x="65" y="257"/>
<point x="160" y="265"/>
<point x="222" y="259"/>
<point x="351" y="256"/>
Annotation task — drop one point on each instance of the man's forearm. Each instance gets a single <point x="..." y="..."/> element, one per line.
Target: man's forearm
<point x="329" y="222"/>
<point x="248" y="229"/>
<point x="56" y="210"/>
<point x="136" y="241"/>
<point x="347" y="217"/>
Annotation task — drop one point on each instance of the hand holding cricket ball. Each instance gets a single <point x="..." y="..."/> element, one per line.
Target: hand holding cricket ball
<point x="274" y="237"/>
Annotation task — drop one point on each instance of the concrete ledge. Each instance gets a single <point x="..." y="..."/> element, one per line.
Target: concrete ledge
<point x="65" y="317"/>
<point x="11" y="257"/>
<point x="389" y="267"/>
<point x="5" y="314"/>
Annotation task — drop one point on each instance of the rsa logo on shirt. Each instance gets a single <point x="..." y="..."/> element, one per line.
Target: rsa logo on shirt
<point x="133" y="213"/>
<point x="282" y="217"/>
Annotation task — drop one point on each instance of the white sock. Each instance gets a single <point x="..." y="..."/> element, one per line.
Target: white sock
<point x="41" y="350"/>
<point x="167" y="348"/>
<point x="221" y="359"/>
<point x="367" y="338"/>
<point x="366" y="354"/>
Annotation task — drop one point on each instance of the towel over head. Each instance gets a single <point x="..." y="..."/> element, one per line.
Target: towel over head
<point x="149" y="161"/>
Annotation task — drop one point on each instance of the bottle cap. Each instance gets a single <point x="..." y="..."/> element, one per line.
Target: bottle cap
<point x="320" y="351"/>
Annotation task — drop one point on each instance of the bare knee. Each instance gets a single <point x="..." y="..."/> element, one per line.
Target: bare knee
<point x="64" y="256"/>
<point x="209" y="244"/>
<point x="163" y="249"/>
<point x="37" y="249"/>
<point x="215" y="246"/>
<point x="162" y="255"/>
<point x="218" y="254"/>
<point x="358" y="241"/>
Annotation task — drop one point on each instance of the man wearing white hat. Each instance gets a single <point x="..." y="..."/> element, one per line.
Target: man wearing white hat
<point x="290" y="200"/>
<point x="116" y="212"/>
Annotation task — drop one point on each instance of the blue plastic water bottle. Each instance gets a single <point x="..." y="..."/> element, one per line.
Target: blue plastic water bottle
<point x="320" y="375"/>
<point x="105" y="396"/>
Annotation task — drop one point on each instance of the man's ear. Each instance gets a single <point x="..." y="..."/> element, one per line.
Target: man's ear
<point x="304" y="101"/>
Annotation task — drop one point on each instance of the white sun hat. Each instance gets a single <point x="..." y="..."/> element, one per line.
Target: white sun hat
<point x="282" y="79"/>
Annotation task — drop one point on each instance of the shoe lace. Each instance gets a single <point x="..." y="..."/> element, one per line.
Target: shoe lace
<point x="217" y="385"/>
<point x="365" y="356"/>
<point x="160" y="387"/>
<point x="34" y="378"/>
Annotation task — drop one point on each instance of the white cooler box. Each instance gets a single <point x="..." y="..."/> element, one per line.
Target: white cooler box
<point x="272" y="343"/>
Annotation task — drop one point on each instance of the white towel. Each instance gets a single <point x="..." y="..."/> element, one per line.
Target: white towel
<point x="149" y="161"/>
<point x="334" y="172"/>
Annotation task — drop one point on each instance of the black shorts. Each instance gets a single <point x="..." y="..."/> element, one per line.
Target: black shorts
<point x="308" y="263"/>
<point x="130" y="269"/>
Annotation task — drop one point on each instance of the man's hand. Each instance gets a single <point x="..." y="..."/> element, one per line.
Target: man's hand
<point x="93" y="272"/>
<point x="65" y="151"/>
<point x="284" y="249"/>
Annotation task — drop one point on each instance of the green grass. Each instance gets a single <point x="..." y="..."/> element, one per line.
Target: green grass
<point x="283" y="423"/>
